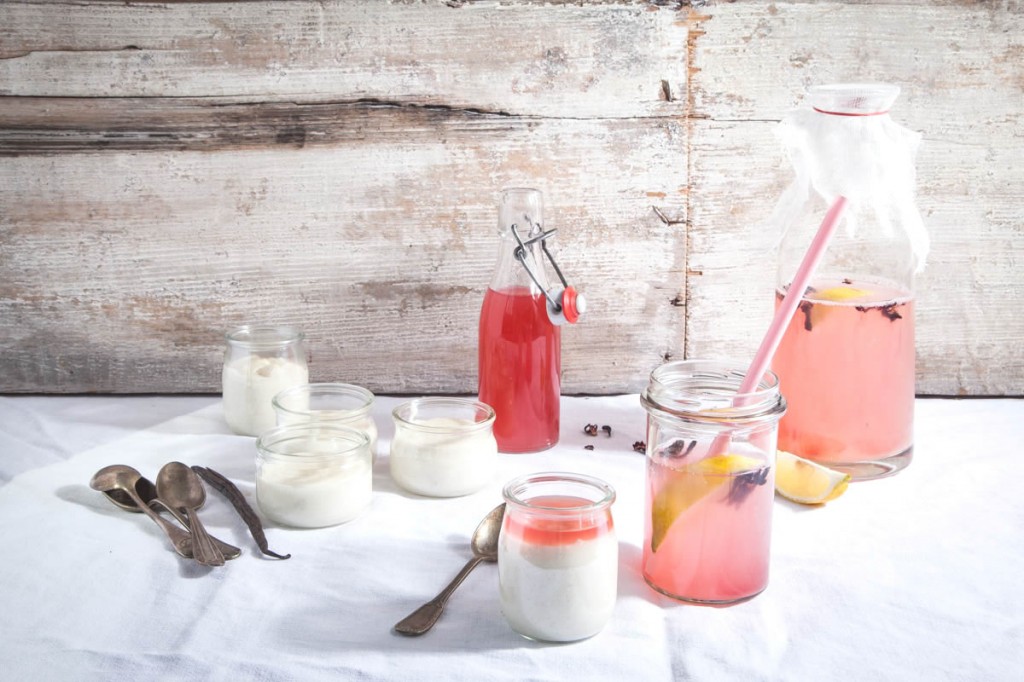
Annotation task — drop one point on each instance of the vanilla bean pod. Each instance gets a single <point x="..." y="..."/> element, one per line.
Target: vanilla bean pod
<point x="224" y="486"/>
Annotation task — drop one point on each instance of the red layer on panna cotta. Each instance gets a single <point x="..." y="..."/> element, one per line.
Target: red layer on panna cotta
<point x="537" y="528"/>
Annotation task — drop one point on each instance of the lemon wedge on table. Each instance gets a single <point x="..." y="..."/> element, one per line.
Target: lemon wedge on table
<point x="807" y="482"/>
<point x="686" y="486"/>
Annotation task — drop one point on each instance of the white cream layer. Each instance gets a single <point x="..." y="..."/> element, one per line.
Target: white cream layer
<point x="558" y="593"/>
<point x="313" y="495"/>
<point x="250" y="384"/>
<point x="443" y="463"/>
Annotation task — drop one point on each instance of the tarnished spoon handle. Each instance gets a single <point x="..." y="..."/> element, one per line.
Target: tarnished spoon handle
<point x="181" y="540"/>
<point x="203" y="549"/>
<point x="423" y="618"/>
<point x="229" y="551"/>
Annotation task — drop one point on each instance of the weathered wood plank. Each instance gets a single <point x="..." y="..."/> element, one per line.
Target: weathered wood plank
<point x="121" y="270"/>
<point x="359" y="147"/>
<point x="169" y="169"/>
<point x="49" y="125"/>
<point x="959" y="64"/>
<point x="586" y="60"/>
<point x="960" y="67"/>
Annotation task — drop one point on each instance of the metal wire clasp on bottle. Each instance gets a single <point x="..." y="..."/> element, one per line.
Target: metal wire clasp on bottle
<point x="565" y="304"/>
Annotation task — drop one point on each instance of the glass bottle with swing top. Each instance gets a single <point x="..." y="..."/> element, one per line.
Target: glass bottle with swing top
<point x="519" y="348"/>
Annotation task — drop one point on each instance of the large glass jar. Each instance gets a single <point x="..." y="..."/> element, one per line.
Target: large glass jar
<point x="710" y="481"/>
<point x="846" y="362"/>
<point x="259" y="363"/>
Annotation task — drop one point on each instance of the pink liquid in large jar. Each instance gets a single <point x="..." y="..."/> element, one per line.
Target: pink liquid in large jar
<point x="520" y="369"/>
<point x="846" y="370"/>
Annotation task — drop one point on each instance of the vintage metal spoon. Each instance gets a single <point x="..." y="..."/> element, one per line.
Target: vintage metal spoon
<point x="179" y="487"/>
<point x="122" y="479"/>
<point x="147" y="494"/>
<point x="485" y="548"/>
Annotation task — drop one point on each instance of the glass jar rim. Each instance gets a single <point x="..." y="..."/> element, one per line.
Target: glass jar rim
<point x="264" y="335"/>
<point x="327" y="388"/>
<point x="707" y="390"/>
<point x="401" y="414"/>
<point x="521" y="190"/>
<point x="357" y="441"/>
<point x="853" y="99"/>
<point x="512" y="492"/>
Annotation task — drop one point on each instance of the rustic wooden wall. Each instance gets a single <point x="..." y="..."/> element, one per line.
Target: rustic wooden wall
<point x="168" y="170"/>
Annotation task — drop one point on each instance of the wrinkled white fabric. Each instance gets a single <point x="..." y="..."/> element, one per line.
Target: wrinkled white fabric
<point x="916" y="577"/>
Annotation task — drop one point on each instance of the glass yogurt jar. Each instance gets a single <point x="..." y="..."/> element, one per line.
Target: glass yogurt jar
<point x="443" y="447"/>
<point x="313" y="475"/>
<point x="260" y="362"/>
<point x="558" y="558"/>
<point x="342" y="404"/>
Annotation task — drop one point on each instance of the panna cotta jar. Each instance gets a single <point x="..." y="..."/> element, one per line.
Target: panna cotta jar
<point x="342" y="404"/>
<point x="259" y="363"/>
<point x="558" y="558"/>
<point x="313" y="475"/>
<point x="443" y="447"/>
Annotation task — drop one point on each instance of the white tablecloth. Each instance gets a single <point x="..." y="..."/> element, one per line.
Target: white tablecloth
<point x="918" y="576"/>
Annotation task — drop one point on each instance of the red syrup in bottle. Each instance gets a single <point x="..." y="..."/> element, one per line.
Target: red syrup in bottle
<point x="520" y="368"/>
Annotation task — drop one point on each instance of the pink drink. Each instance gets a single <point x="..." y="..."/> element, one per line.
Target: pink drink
<point x="520" y="369"/>
<point x="708" y="533"/>
<point x="846" y="368"/>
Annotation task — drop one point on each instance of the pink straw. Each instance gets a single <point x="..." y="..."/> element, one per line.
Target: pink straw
<point x="783" y="316"/>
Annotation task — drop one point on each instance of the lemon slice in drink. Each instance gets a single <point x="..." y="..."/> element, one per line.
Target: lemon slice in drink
<point x="807" y="482"/>
<point x="723" y="465"/>
<point x="686" y="486"/>
<point x="843" y="293"/>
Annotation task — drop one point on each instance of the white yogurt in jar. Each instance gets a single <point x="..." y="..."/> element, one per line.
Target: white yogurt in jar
<point x="250" y="383"/>
<point x="443" y="447"/>
<point x="558" y="592"/>
<point x="312" y="475"/>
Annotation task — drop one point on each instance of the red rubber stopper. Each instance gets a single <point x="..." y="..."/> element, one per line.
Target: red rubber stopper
<point x="573" y="304"/>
